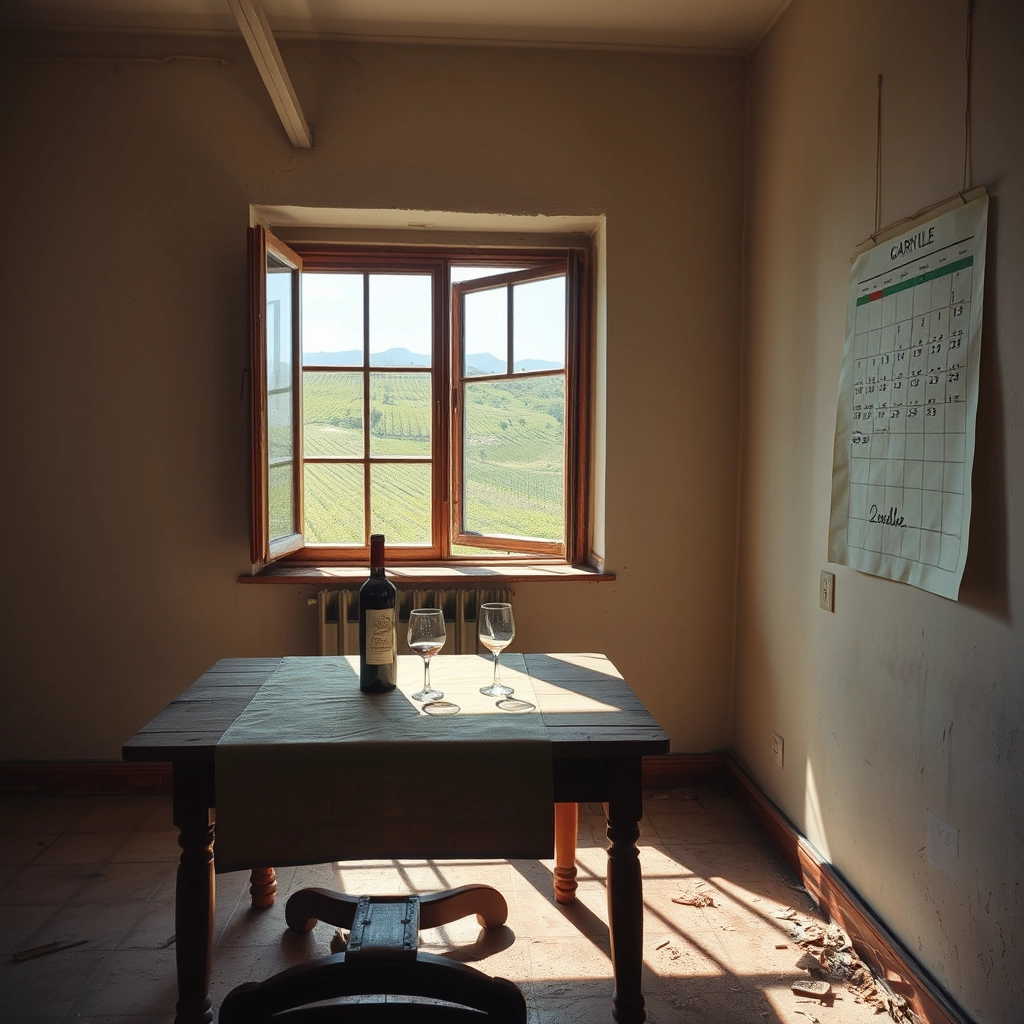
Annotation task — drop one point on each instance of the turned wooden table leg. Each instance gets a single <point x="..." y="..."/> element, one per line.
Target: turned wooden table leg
<point x="194" y="897"/>
<point x="262" y="887"/>
<point x="566" y="829"/>
<point x="625" y="888"/>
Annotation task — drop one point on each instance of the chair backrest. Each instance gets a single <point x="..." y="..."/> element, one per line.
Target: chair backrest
<point x="390" y="991"/>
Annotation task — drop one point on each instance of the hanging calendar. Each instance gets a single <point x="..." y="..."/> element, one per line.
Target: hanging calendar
<point x="908" y="397"/>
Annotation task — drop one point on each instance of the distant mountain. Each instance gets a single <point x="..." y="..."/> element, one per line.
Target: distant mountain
<point x="354" y="357"/>
<point x="476" y="363"/>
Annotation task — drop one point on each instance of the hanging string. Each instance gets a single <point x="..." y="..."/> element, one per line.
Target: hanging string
<point x="967" y="106"/>
<point x="878" y="160"/>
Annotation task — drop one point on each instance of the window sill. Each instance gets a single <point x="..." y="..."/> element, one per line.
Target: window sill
<point x="437" y="575"/>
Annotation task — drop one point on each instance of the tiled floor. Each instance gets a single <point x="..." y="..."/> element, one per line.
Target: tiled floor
<point x="102" y="869"/>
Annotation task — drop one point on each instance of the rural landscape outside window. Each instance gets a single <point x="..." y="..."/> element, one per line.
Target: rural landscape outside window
<point x="437" y="397"/>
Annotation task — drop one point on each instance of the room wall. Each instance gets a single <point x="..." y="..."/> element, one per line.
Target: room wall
<point x="127" y="188"/>
<point x="901" y="704"/>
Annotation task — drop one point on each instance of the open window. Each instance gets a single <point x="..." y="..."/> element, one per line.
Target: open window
<point x="435" y="396"/>
<point x="275" y="319"/>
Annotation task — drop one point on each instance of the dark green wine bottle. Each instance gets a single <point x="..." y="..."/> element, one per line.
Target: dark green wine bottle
<point x="378" y="626"/>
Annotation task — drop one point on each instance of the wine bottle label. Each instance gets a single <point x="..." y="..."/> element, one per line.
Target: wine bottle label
<point x="380" y="636"/>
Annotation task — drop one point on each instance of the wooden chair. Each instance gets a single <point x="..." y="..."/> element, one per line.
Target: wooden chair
<point x="383" y="964"/>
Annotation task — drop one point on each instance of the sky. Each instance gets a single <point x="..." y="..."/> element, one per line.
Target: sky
<point x="400" y="317"/>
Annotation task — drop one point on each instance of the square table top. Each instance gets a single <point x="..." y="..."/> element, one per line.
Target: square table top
<point x="587" y="707"/>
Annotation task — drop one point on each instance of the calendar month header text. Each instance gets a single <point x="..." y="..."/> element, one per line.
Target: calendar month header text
<point x="906" y="246"/>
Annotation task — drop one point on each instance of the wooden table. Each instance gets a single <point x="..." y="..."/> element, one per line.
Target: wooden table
<point x="596" y="757"/>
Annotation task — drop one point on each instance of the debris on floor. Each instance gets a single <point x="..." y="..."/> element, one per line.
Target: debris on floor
<point x="694" y="898"/>
<point x="50" y="947"/>
<point x="829" y="956"/>
<point x="818" y="989"/>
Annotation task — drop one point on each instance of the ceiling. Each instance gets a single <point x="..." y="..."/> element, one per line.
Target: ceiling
<point x="729" y="26"/>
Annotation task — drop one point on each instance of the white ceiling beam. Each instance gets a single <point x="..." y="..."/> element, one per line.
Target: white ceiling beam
<point x="260" y="40"/>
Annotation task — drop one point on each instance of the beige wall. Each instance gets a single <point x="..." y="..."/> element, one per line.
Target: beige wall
<point x="901" y="703"/>
<point x="126" y="198"/>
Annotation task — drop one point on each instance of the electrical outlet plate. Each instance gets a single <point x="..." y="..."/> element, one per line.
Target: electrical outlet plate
<point x="777" y="746"/>
<point x="827" y="591"/>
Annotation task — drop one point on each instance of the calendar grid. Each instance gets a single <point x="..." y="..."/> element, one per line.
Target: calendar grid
<point x="908" y="404"/>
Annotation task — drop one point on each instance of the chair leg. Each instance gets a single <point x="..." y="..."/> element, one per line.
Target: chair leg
<point x="262" y="887"/>
<point x="566" y="831"/>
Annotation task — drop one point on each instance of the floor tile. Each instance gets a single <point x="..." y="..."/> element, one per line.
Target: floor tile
<point x="19" y="924"/>
<point x="48" y="984"/>
<point x="103" y="925"/>
<point x="80" y="848"/>
<point x="20" y="849"/>
<point x="49" y="815"/>
<point x="132" y="982"/>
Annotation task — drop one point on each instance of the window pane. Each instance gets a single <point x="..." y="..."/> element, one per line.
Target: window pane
<point x="333" y="499"/>
<point x="282" y="515"/>
<point x="280" y="428"/>
<point x="279" y="324"/>
<point x="332" y="319"/>
<point x="538" y="325"/>
<point x="332" y="414"/>
<point x="400" y="414"/>
<point x="513" y="458"/>
<point x="485" y="332"/>
<point x="401" y="321"/>
<point x="400" y="503"/>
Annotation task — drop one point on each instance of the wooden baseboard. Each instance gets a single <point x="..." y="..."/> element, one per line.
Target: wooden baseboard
<point x="32" y="778"/>
<point x="683" y="769"/>
<point x="874" y="943"/>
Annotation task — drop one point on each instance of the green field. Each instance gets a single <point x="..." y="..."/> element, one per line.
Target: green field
<point x="513" y="457"/>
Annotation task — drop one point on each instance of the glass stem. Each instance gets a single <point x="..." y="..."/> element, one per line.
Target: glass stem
<point x="497" y="668"/>
<point x="426" y="675"/>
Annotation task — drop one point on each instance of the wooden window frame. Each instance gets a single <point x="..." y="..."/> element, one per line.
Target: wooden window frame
<point x="445" y="443"/>
<point x="264" y="548"/>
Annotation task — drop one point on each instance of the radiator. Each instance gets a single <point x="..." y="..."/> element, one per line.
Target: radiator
<point x="338" y="612"/>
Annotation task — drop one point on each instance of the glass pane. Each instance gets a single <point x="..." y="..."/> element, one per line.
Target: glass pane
<point x="485" y="332"/>
<point x="538" y="325"/>
<point x="280" y="428"/>
<point x="400" y="503"/>
<point x="400" y="414"/>
<point x="281" y="498"/>
<point x="332" y="319"/>
<point x="332" y="414"/>
<point x="401" y="319"/>
<point x="279" y="324"/>
<point x="333" y="500"/>
<point x="475" y="273"/>
<point x="513" y="458"/>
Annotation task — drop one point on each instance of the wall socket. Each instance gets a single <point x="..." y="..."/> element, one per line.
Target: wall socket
<point x="827" y="591"/>
<point x="777" y="749"/>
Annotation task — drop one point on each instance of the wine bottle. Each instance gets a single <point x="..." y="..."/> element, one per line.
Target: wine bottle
<point x="378" y="636"/>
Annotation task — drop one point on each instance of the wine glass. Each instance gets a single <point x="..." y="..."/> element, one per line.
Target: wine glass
<point x="497" y="628"/>
<point x="426" y="638"/>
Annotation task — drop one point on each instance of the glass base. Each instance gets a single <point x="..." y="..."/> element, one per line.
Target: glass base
<point x="427" y="695"/>
<point x="496" y="690"/>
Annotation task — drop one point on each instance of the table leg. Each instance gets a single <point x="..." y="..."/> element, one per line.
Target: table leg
<point x="262" y="887"/>
<point x="625" y="888"/>
<point x="566" y="829"/>
<point x="194" y="897"/>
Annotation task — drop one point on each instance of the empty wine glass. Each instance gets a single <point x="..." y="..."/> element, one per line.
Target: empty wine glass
<point x="426" y="638"/>
<point x="497" y="628"/>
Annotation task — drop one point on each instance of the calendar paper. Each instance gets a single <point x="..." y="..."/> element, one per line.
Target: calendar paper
<point x="908" y="395"/>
